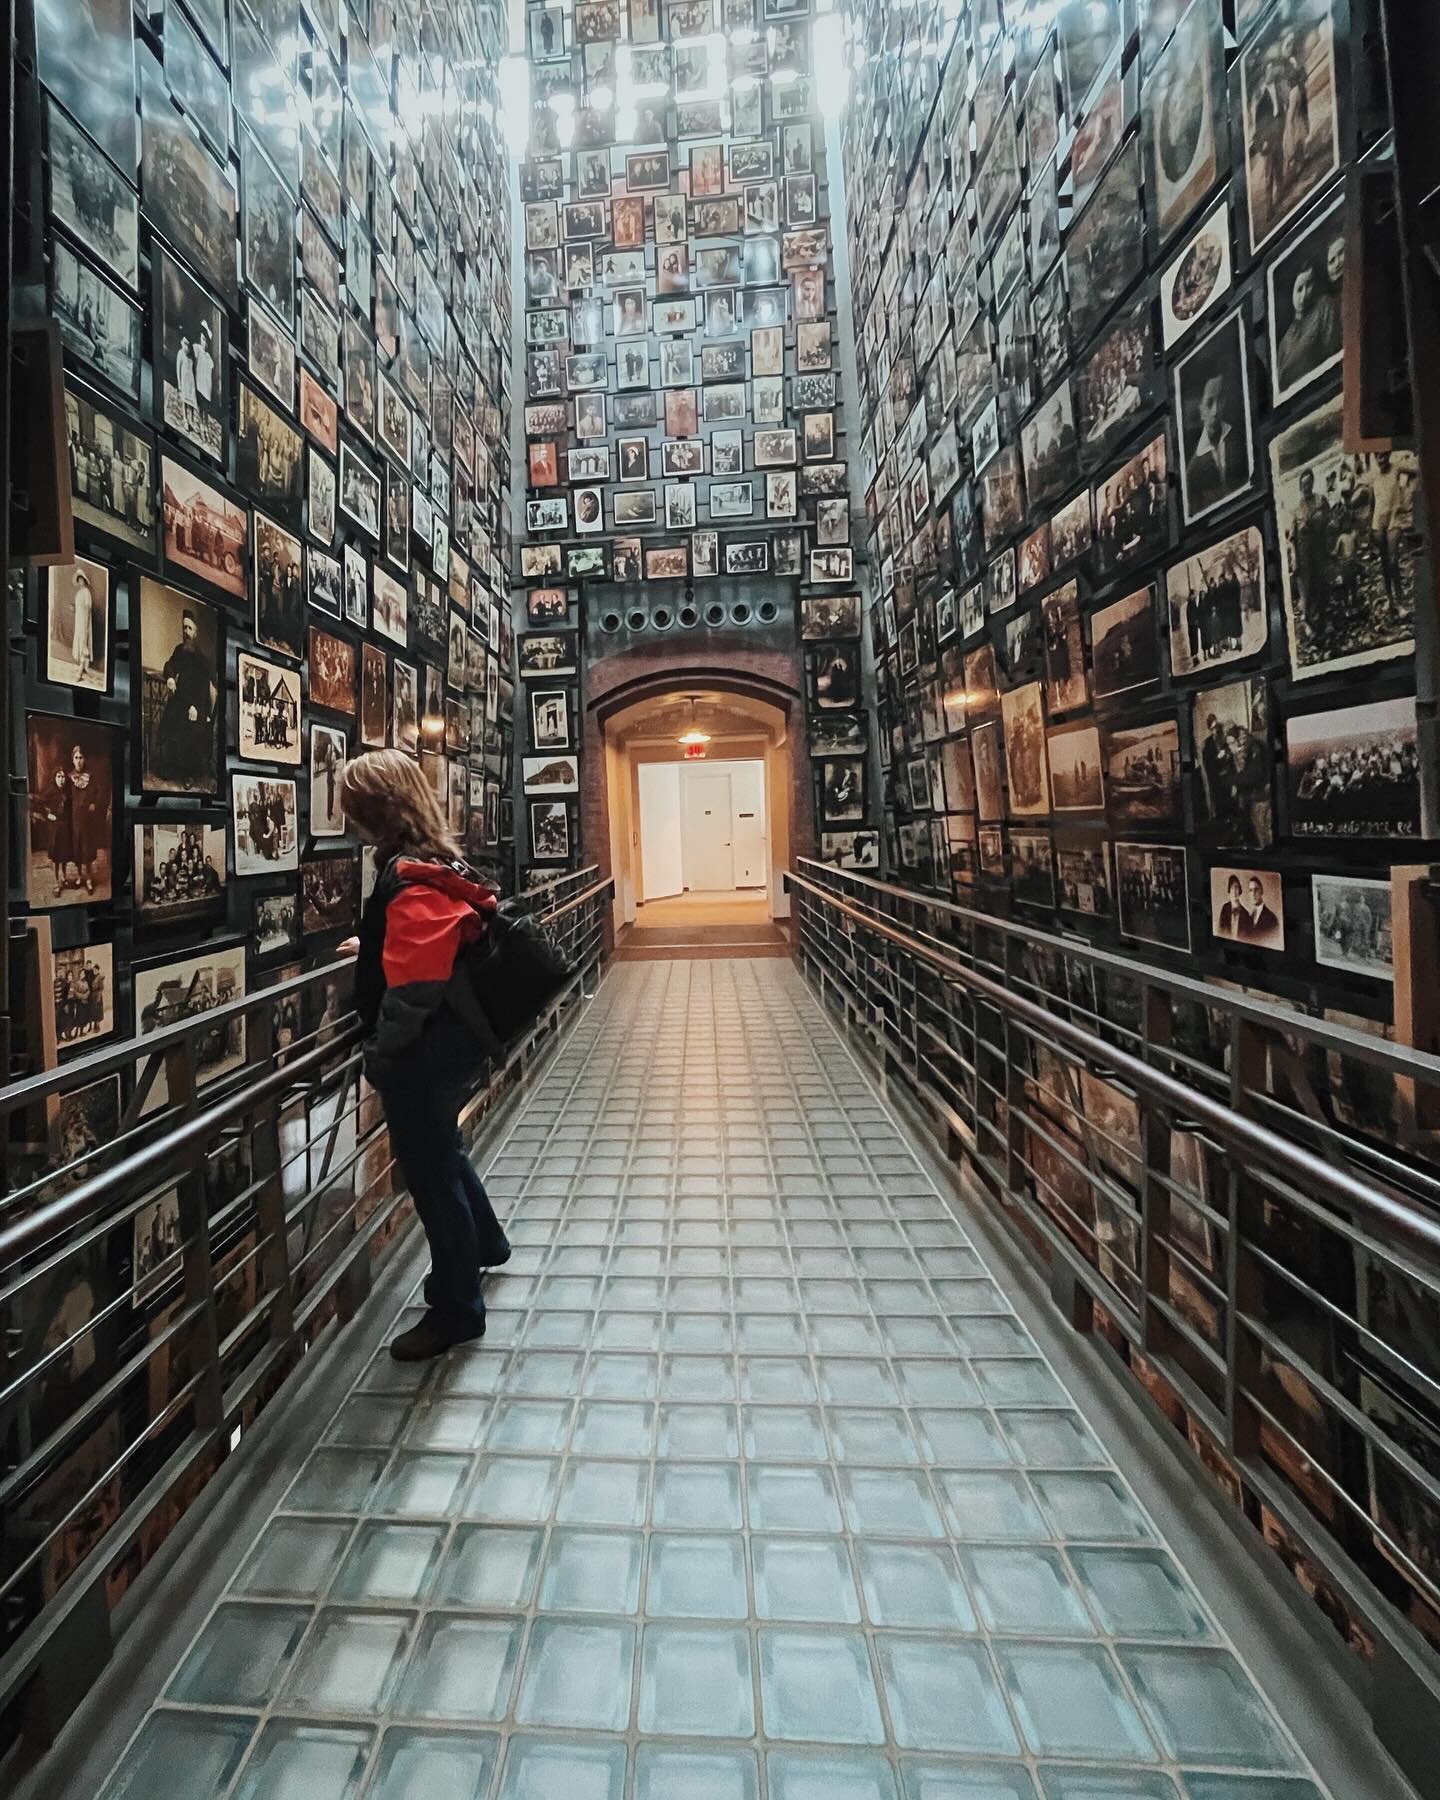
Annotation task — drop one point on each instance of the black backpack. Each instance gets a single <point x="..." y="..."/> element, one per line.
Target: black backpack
<point x="505" y="980"/>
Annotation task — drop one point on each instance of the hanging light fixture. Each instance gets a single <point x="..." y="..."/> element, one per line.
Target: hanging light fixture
<point x="692" y="734"/>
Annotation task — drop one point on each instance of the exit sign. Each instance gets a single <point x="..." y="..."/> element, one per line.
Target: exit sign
<point x="692" y="751"/>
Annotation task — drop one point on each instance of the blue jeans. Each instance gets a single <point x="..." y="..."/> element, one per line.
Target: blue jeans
<point x="459" y="1222"/>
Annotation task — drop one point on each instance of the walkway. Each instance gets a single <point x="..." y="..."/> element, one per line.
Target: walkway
<point x="757" y="1480"/>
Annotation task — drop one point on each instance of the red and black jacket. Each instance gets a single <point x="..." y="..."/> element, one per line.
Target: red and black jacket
<point x="422" y="915"/>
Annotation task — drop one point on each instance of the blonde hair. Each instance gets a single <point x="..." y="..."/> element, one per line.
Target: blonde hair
<point x="389" y="799"/>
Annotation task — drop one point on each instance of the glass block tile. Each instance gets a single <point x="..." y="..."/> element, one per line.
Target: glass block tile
<point x="1140" y="1594"/>
<point x="783" y="1433"/>
<point x="577" y="1674"/>
<point x="540" y="1768"/>
<point x="513" y="1487"/>
<point x="804" y="1579"/>
<point x="818" y="1686"/>
<point x="1026" y="1591"/>
<point x="447" y="1425"/>
<point x="462" y="1668"/>
<point x="241" y="1656"/>
<point x="666" y="1772"/>
<point x="857" y="1381"/>
<point x="695" y="1681"/>
<point x="368" y="1419"/>
<point x="350" y="1662"/>
<point x="913" y="1584"/>
<point x="530" y="1425"/>
<point x="700" y="1333"/>
<point x="294" y="1558"/>
<point x="792" y="1499"/>
<point x="294" y="1761"/>
<point x="872" y="1435"/>
<point x="838" y="1335"/>
<point x="1204" y="1709"/>
<point x="944" y="1696"/>
<point x="697" y="1577"/>
<point x="1208" y="1786"/>
<point x="603" y="1493"/>
<point x="487" y="1566"/>
<point x="470" y="1372"/>
<point x="697" y="1378"/>
<point x="697" y="1496"/>
<point x="592" y="1571"/>
<point x="890" y="1503"/>
<point x="420" y="1484"/>
<point x="776" y="1378"/>
<point x="993" y="1504"/>
<point x="390" y="1563"/>
<point x="416" y="1764"/>
<point x="1052" y="1440"/>
<point x="613" y="1428"/>
<point x="961" y="1438"/>
<point x="770" y="1334"/>
<point x="627" y="1331"/>
<point x="337" y="1481"/>
<point x="180" y="1756"/>
<point x="1106" y="1784"/>
<point x="698" y="1431"/>
<point x="995" y="1334"/>
<point x="921" y="1779"/>
<point x="554" y="1372"/>
<point x="796" y="1775"/>
<point x="1090" y="1508"/>
<point x="1070" y="1701"/>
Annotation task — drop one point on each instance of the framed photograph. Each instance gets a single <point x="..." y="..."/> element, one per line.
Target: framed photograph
<point x="633" y="457"/>
<point x="1104" y="252"/>
<point x="181" y="697"/>
<point x="275" y="927"/>
<point x="112" y="471"/>
<point x="1125" y="646"/>
<point x="1142" y="775"/>
<point x="1049" y="445"/>
<point x="832" y="565"/>
<point x="71" y="768"/>
<point x="79" y="625"/>
<point x="1353" y="772"/>
<point x="668" y="562"/>
<point x="268" y="723"/>
<point x="96" y="321"/>
<point x="550" y="718"/>
<point x="189" y="196"/>
<point x="1290" y="112"/>
<point x="269" y="456"/>
<point x="268" y="227"/>
<point x="589" y="509"/>
<point x="679" y="506"/>
<point x="1187" y="118"/>
<point x="834" y="677"/>
<point x="192" y="360"/>
<point x="829" y="616"/>
<point x="556" y="774"/>
<point x="332" y="672"/>
<point x="356" y="587"/>
<point x="648" y="172"/>
<point x="320" y="497"/>
<point x="1153" y="886"/>
<point x="390" y="607"/>
<point x="172" y="989"/>
<point x="1247" y="906"/>
<point x="265" y="823"/>
<point x="87" y="196"/>
<point x="1132" y="509"/>
<point x="704" y="554"/>
<point x="1212" y="405"/>
<point x="547" y="653"/>
<point x="179" y="869"/>
<point x="1305" y="288"/>
<point x="328" y="751"/>
<point x="780" y="499"/>
<point x="405" y="708"/>
<point x="1353" y="926"/>
<point x="279" y="588"/>
<point x="1349" y="598"/>
<point x="1231" y="731"/>
<point x="374" y="697"/>
<point x="549" y="830"/>
<point x="1216" y="604"/>
<point x="324" y="581"/>
<point x="359" y="492"/>
<point x="775" y="449"/>
<point x="635" y="506"/>
<point x="329" y="893"/>
<point x="1198" y="279"/>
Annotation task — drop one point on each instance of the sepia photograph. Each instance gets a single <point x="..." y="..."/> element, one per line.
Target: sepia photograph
<point x="1023" y="712"/>
<point x="1077" y="781"/>
<point x="1142" y="775"/>
<point x="1354" y="772"/>
<point x="1347" y="522"/>
<point x="275" y="924"/>
<point x="268" y="722"/>
<point x="1234" y="797"/>
<point x="1049" y="446"/>
<point x="112" y="471"/>
<point x="1353" y="930"/>
<point x="1290" y="112"/>
<point x="330" y="893"/>
<point x="1247" y="906"/>
<point x="1152" y="883"/>
<point x="1084" y="881"/>
<point x="206" y="532"/>
<point x="79" y="615"/>
<point x="192" y="359"/>
<point x="1125" y="646"/>
<point x="1066" y="689"/>
<point x="269" y="455"/>
<point x="265" y="824"/>
<point x="71" y="770"/>
<point x="1186" y="117"/>
<point x="1104" y="252"/>
<point x="332" y="672"/>
<point x="374" y="698"/>
<point x="328" y="752"/>
<point x="1305" y="285"/>
<point x="1117" y="385"/>
<point x="178" y="989"/>
<point x="1216" y="604"/>
<point x="405" y="708"/>
<point x="181" y="696"/>
<point x="179" y="870"/>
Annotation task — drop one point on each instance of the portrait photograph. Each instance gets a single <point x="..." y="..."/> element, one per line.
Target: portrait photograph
<point x="96" y="321"/>
<point x="192" y="360"/>
<point x="1142" y="775"/>
<point x="374" y="698"/>
<point x="359" y="492"/>
<point x="328" y="750"/>
<point x="1212" y="405"/>
<point x="181" y="698"/>
<point x="1216" y="604"/>
<point x="71" y="768"/>
<point x="986" y="753"/>
<point x="1353" y="926"/>
<point x="1066" y="686"/>
<point x="1230" y="728"/>
<point x="268" y="721"/>
<point x="320" y="498"/>
<point x="275" y="924"/>
<point x="79" y="618"/>
<point x="1247" y="906"/>
<point x="279" y="588"/>
<point x="332" y="672"/>
<point x="1023" y="713"/>
<point x="1346" y="522"/>
<point x="1152" y="881"/>
<point x="112" y="471"/>
<point x="1305" y="288"/>
<point x="1354" y="771"/>
<point x="1132" y="509"/>
<point x="269" y="456"/>
<point x="1290" y="112"/>
<point x="405" y="708"/>
<point x="1186" y="117"/>
<point x="179" y="868"/>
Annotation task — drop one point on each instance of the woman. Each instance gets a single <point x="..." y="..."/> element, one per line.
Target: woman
<point x="420" y="1054"/>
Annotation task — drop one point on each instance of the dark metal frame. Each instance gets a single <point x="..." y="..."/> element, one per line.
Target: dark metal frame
<point x="997" y="1028"/>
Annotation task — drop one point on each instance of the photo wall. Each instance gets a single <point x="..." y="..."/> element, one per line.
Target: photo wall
<point x="1144" y="611"/>
<point x="276" y="248"/>
<point x="683" y="421"/>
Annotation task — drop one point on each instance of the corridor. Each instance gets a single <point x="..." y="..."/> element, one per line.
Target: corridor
<point x="757" y="1486"/>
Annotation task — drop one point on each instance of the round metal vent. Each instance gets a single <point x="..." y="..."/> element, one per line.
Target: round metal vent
<point x="714" y="613"/>
<point x="662" y="618"/>
<point x="637" y="618"/>
<point x="767" y="612"/>
<point x="740" y="613"/>
<point x="688" y="618"/>
<point x="610" y="621"/>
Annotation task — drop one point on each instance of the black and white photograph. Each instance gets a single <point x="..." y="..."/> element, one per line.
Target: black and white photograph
<point x="1305" y="286"/>
<point x="1247" y="906"/>
<point x="1032" y="867"/>
<point x="275" y="924"/>
<point x="1186" y="117"/>
<point x="550" y="719"/>
<point x="548" y="653"/>
<point x="1154" y="894"/>
<point x="181" y="698"/>
<point x="1231" y="731"/>
<point x="179" y="868"/>
<point x="320" y="500"/>
<point x="1353" y="929"/>
<point x="1142" y="775"/>
<point x="71" y="769"/>
<point x="279" y="588"/>
<point x="1132" y="509"/>
<point x="1354" y="771"/>
<point x="87" y="197"/>
<point x="265" y="823"/>
<point x="1346" y="521"/>
<point x="1290" y="112"/>
<point x="638" y="506"/>
<point x="1198" y="279"/>
<point x="1104" y="252"/>
<point x="192" y="360"/>
<point x="171" y="991"/>
<point x="359" y="492"/>
<point x="390" y="606"/>
<point x="1216" y="604"/>
<point x="332" y="672"/>
<point x="97" y="322"/>
<point x="328" y="751"/>
<point x="112" y="471"/>
<point x="269" y="456"/>
<point x="79" y="619"/>
<point x="551" y="774"/>
<point x="268" y="722"/>
<point x="270" y="355"/>
<point x="1212" y="405"/>
<point x="753" y="558"/>
<point x="549" y="830"/>
<point x="1084" y="879"/>
<point x="190" y="198"/>
<point x="832" y="616"/>
<point x="1118" y="384"/>
<point x="842" y="790"/>
<point x="206" y="533"/>
<point x="374" y="698"/>
<point x="1066" y="686"/>
<point x="83" y="996"/>
<point x="269" y="231"/>
<point x="1125" y="646"/>
<point x="329" y="893"/>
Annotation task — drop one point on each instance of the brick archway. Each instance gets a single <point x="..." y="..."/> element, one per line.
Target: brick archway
<point x="773" y="676"/>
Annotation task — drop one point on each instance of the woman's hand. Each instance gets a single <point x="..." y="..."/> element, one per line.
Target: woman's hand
<point x="350" y="947"/>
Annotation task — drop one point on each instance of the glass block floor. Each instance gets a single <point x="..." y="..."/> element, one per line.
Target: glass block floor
<point x="756" y="1486"/>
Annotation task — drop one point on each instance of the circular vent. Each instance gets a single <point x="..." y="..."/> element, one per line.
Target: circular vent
<point x="662" y="618"/>
<point x="714" y="613"/>
<point x="637" y="618"/>
<point x="610" y="621"/>
<point x="688" y="617"/>
<point x="740" y="613"/>
<point x="767" y="612"/>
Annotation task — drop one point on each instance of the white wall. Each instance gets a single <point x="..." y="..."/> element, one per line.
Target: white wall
<point x="664" y="823"/>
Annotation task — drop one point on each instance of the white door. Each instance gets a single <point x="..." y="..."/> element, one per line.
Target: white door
<point x="747" y="801"/>
<point x="709" y="853"/>
<point x="662" y="868"/>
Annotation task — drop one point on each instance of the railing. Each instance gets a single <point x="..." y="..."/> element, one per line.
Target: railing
<point x="1235" y="1196"/>
<point x="246" y="1207"/>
